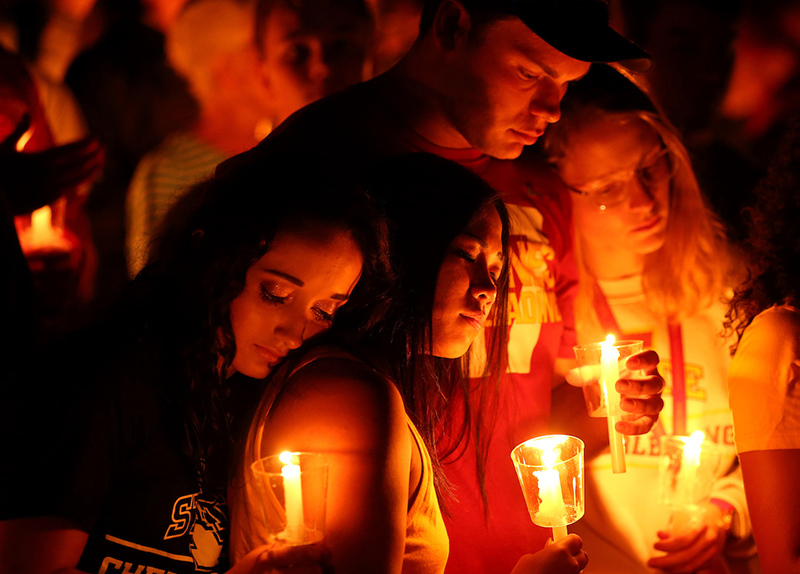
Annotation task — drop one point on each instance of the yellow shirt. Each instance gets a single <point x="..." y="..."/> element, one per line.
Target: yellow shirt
<point x="764" y="382"/>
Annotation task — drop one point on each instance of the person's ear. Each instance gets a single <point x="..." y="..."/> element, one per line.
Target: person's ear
<point x="451" y="24"/>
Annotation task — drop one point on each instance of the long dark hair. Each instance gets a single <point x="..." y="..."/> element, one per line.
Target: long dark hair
<point x="773" y="244"/>
<point x="428" y="201"/>
<point x="198" y="267"/>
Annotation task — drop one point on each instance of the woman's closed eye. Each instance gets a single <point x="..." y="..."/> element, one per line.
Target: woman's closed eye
<point x="325" y="311"/>
<point x="466" y="255"/>
<point x="271" y="296"/>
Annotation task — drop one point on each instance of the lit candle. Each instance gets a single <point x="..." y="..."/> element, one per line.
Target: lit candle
<point x="609" y="374"/>
<point x="293" y="499"/>
<point x="690" y="463"/>
<point x="552" y="509"/>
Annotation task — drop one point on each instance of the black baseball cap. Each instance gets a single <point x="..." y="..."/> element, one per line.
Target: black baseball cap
<point x="578" y="28"/>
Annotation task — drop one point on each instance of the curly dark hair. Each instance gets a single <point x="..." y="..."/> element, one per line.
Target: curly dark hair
<point x="773" y="245"/>
<point x="198" y="267"/>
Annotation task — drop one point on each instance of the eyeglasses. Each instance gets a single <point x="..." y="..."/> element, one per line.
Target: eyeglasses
<point x="615" y="189"/>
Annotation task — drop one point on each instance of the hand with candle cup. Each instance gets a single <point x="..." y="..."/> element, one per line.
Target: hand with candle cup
<point x="550" y="472"/>
<point x="696" y="532"/>
<point x="564" y="556"/>
<point x="697" y="549"/>
<point x="640" y="387"/>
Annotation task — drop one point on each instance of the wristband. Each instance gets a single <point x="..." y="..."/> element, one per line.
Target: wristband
<point x="727" y="510"/>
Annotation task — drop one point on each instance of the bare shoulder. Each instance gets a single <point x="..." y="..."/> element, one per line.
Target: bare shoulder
<point x="334" y="403"/>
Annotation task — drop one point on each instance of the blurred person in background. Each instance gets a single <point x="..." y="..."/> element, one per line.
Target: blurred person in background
<point x="398" y="27"/>
<point x="312" y="48"/>
<point x="243" y="84"/>
<point x="765" y="83"/>
<point x="693" y="47"/>
<point x="131" y="99"/>
<point x="33" y="174"/>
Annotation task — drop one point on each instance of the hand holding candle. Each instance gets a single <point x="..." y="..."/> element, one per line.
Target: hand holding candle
<point x="600" y="365"/>
<point x="687" y="472"/>
<point x="550" y="472"/>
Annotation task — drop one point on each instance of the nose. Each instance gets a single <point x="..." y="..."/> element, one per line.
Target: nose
<point x="482" y="286"/>
<point x="642" y="196"/>
<point x="546" y="101"/>
<point x="291" y="331"/>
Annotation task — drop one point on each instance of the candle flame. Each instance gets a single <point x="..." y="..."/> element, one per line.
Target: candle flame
<point x="550" y="448"/>
<point x="691" y="451"/>
<point x="608" y="350"/>
<point x="286" y="457"/>
<point x="697" y="437"/>
<point x="24" y="139"/>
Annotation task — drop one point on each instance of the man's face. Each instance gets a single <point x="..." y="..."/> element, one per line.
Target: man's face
<point x="306" y="60"/>
<point x="507" y="86"/>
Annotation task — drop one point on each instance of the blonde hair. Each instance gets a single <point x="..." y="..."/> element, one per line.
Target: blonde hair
<point x="689" y="271"/>
<point x="204" y="31"/>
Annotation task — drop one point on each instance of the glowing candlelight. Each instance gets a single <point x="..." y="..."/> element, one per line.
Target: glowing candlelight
<point x="24" y="139"/>
<point x="552" y="509"/>
<point x="690" y="463"/>
<point x="550" y="472"/>
<point x="293" y="499"/>
<point x="609" y="374"/>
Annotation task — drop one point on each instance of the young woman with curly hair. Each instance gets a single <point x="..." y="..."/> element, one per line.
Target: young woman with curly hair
<point x="118" y="446"/>
<point x="764" y="377"/>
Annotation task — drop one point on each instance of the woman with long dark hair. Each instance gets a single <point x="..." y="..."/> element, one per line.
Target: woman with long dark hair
<point x="119" y="444"/>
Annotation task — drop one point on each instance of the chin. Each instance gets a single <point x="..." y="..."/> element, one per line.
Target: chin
<point x="510" y="150"/>
<point x="255" y="371"/>
<point x="451" y="350"/>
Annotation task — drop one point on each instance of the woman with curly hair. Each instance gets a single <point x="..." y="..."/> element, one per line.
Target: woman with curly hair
<point x="118" y="446"/>
<point x="652" y="266"/>
<point x="764" y="377"/>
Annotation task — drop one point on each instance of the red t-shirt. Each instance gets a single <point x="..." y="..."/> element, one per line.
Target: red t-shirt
<point x="354" y="128"/>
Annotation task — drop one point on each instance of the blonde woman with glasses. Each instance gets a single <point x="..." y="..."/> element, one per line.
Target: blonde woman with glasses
<point x="652" y="266"/>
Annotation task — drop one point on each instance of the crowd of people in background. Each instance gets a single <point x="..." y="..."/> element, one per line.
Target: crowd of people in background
<point x="376" y="229"/>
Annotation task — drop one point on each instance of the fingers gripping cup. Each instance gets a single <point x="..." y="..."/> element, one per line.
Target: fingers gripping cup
<point x="293" y="488"/>
<point x="550" y="472"/>
<point x="600" y="366"/>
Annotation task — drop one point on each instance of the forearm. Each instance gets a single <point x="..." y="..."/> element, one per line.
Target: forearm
<point x="774" y="502"/>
